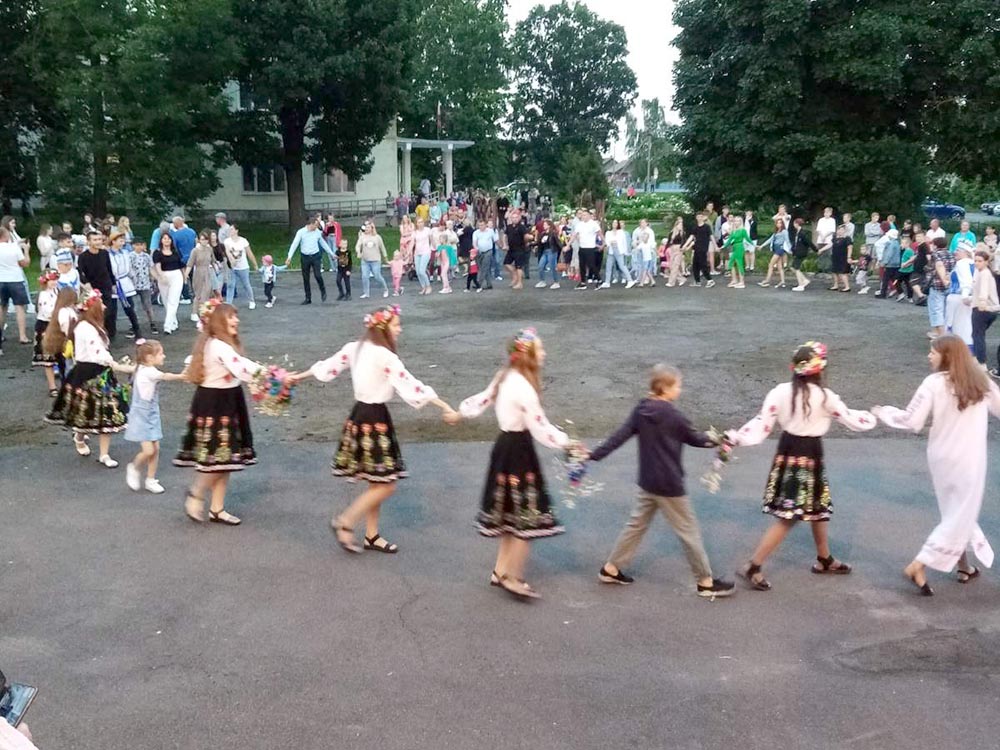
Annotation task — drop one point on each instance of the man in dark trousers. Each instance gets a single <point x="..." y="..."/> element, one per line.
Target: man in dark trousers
<point x="94" y="266"/>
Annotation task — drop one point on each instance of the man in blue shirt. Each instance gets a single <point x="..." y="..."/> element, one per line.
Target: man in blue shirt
<point x="484" y="240"/>
<point x="309" y="241"/>
<point x="185" y="239"/>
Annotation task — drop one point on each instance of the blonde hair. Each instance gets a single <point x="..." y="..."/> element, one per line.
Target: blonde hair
<point x="147" y="350"/>
<point x="663" y="377"/>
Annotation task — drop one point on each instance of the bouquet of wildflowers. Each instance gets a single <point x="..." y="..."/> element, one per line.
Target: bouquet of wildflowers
<point x="712" y="479"/>
<point x="270" y="391"/>
<point x="573" y="470"/>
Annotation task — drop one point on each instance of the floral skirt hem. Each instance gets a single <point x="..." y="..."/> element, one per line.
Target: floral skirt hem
<point x="90" y="401"/>
<point x="369" y="449"/>
<point x="218" y="436"/>
<point x="515" y="500"/>
<point x="797" y="487"/>
<point x="39" y="358"/>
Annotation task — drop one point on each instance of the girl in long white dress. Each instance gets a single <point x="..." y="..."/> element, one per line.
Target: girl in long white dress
<point x="797" y="487"/>
<point x="959" y="399"/>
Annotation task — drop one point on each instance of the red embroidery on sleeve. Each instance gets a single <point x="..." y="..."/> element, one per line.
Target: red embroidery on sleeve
<point x="766" y="429"/>
<point x="418" y="389"/>
<point x="538" y="418"/>
<point x="402" y="373"/>
<point x="343" y="358"/>
<point x="333" y="371"/>
<point x="836" y="415"/>
<point x="773" y="410"/>
<point x="387" y="371"/>
<point x="236" y="359"/>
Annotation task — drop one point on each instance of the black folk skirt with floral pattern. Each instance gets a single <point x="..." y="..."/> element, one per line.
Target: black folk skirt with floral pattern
<point x="218" y="436"/>
<point x="797" y="488"/>
<point x="369" y="450"/>
<point x="39" y="358"/>
<point x="90" y="401"/>
<point x="515" y="500"/>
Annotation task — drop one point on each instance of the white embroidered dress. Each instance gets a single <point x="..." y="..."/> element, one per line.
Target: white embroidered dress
<point x="518" y="408"/>
<point x="376" y="374"/>
<point x="956" y="457"/>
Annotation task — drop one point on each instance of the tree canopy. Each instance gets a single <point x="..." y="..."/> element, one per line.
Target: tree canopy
<point x="852" y="104"/>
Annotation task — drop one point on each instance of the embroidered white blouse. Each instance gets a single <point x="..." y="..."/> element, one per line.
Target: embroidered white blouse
<point x="518" y="408"/>
<point x="225" y="367"/>
<point x="89" y="345"/>
<point x="66" y="316"/>
<point x="778" y="406"/>
<point x="376" y="373"/>
<point x="46" y="304"/>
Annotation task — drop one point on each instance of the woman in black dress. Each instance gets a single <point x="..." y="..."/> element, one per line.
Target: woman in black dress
<point x="840" y="260"/>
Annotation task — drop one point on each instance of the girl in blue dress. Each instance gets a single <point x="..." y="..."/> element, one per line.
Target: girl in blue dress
<point x="144" y="415"/>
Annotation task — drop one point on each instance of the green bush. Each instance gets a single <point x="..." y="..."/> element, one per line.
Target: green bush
<point x="653" y="206"/>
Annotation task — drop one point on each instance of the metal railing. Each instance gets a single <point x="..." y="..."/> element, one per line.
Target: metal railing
<point x="355" y="208"/>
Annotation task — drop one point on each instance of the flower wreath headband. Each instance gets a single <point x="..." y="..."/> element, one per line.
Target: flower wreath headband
<point x="382" y="318"/>
<point x="48" y="276"/>
<point x="205" y="311"/>
<point x="524" y="341"/>
<point x="87" y="302"/>
<point x="815" y="364"/>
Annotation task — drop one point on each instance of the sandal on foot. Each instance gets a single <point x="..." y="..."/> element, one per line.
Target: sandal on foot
<point x="338" y="529"/>
<point x="388" y="547"/>
<point x="831" y="566"/>
<point x="518" y="588"/>
<point x="494" y="579"/>
<point x="750" y="573"/>
<point x="227" y="519"/>
<point x="53" y="392"/>
<point x="81" y="447"/>
<point x="965" y="576"/>
<point x="194" y="507"/>
<point x="925" y="588"/>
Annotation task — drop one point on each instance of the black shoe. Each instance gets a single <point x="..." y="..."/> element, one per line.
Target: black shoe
<point x="340" y="297"/>
<point x="718" y="588"/>
<point x="306" y="302"/>
<point x="130" y="335"/>
<point x="154" y="330"/>
<point x="322" y="297"/>
<point x="348" y="297"/>
<point x="605" y="577"/>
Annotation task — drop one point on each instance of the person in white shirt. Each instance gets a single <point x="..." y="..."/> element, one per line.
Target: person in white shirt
<point x="47" y="296"/>
<point x="644" y="250"/>
<point x="516" y="505"/>
<point x="13" y="261"/>
<point x="935" y="231"/>
<point x="222" y="222"/>
<point x="240" y="256"/>
<point x="218" y="439"/>
<point x="958" y="303"/>
<point x="91" y="401"/>
<point x="797" y="487"/>
<point x="616" y="241"/>
<point x="826" y="227"/>
<point x="586" y="233"/>
<point x="369" y="449"/>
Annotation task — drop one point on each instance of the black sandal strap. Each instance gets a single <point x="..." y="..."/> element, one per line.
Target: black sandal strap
<point x="826" y="562"/>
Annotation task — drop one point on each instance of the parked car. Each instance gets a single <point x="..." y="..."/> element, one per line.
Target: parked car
<point x="937" y="210"/>
<point x="988" y="207"/>
<point x="996" y="210"/>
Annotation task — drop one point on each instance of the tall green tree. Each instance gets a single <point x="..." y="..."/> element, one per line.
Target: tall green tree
<point x="582" y="176"/>
<point x="24" y="98"/>
<point x="573" y="83"/>
<point x="457" y="83"/>
<point x="140" y="105"/>
<point x="649" y="143"/>
<point x="326" y="79"/>
<point x="837" y="102"/>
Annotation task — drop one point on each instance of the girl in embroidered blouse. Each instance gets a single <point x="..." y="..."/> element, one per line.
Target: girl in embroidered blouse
<point x="369" y="449"/>
<point x="90" y="400"/>
<point x="516" y="505"/>
<point x="959" y="398"/>
<point x="218" y="440"/>
<point x="797" y="487"/>
<point x="45" y="307"/>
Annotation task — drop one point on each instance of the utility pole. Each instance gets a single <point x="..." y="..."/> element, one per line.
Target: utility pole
<point x="649" y="157"/>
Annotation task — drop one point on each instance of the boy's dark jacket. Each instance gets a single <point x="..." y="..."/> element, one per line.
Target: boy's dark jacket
<point x="662" y="431"/>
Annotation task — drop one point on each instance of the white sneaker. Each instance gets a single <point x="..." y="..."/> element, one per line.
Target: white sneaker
<point x="185" y="302"/>
<point x="540" y="285"/>
<point x="395" y="294"/>
<point x="466" y="291"/>
<point x="152" y="485"/>
<point x="385" y="294"/>
<point x="555" y="285"/>
<point x="252" y="305"/>
<point x="631" y="284"/>
<point x="273" y="300"/>
<point x="710" y="284"/>
<point x="682" y="282"/>
<point x="107" y="461"/>
<point x="132" y="477"/>
<point x="363" y="296"/>
<point x="194" y="317"/>
<point x="31" y="308"/>
<point x="764" y="283"/>
<point x="269" y="305"/>
<point x="739" y="286"/>
<point x="604" y="286"/>
<point x="446" y="291"/>
<point x="863" y="290"/>
<point x="798" y="288"/>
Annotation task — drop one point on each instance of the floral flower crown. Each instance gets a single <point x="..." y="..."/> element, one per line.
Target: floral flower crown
<point x="815" y="364"/>
<point x="524" y="341"/>
<point x="48" y="276"/>
<point x="206" y="310"/>
<point x="382" y="318"/>
<point x="88" y="301"/>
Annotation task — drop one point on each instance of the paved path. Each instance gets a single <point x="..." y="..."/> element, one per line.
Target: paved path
<point x="144" y="630"/>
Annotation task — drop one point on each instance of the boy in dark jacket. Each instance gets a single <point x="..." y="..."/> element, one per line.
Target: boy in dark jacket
<point x="662" y="432"/>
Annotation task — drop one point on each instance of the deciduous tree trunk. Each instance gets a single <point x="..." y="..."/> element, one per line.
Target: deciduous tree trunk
<point x="293" y="134"/>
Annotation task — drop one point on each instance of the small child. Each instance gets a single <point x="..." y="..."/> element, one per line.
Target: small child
<point x="861" y="267"/>
<point x="269" y="275"/>
<point x="45" y="306"/>
<point x="662" y="430"/>
<point x="344" y="261"/>
<point x="400" y="260"/>
<point x="144" y="414"/>
<point x="907" y="258"/>
<point x="69" y="277"/>
<point x="664" y="254"/>
<point x="473" y="277"/>
<point x="142" y="267"/>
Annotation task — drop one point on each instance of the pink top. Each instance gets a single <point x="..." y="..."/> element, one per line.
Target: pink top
<point x="422" y="241"/>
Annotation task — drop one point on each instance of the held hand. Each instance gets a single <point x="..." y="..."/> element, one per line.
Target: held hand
<point x="876" y="410"/>
<point x="452" y="417"/>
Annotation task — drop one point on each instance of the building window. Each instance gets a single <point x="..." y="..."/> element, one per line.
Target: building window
<point x="333" y="181"/>
<point x="267" y="179"/>
<point x="249" y="100"/>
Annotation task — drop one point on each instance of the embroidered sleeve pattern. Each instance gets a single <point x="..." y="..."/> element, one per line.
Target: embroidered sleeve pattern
<point x="475" y="405"/>
<point x="238" y="366"/>
<point x="327" y="369"/>
<point x="411" y="390"/>
<point x="914" y="416"/>
<point x="757" y="429"/>
<point x="853" y="419"/>
<point x="538" y="424"/>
